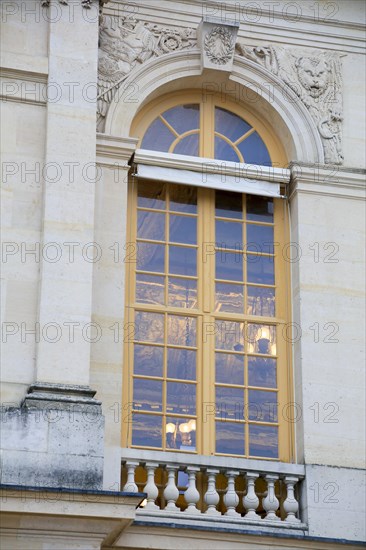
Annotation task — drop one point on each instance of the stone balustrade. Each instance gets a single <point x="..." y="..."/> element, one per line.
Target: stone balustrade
<point x="215" y="488"/>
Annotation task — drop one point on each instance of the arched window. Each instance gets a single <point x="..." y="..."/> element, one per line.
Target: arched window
<point x="207" y="361"/>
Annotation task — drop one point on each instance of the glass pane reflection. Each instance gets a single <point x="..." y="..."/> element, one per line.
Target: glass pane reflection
<point x="182" y="260"/>
<point x="182" y="292"/>
<point x="149" y="289"/>
<point x="151" y="195"/>
<point x="263" y="441"/>
<point x="187" y="146"/>
<point x="183" y="198"/>
<point x="229" y="235"/>
<point x="229" y="124"/>
<point x="229" y="368"/>
<point x="181" y="398"/>
<point x="147" y="395"/>
<point x="150" y="225"/>
<point x="181" y="330"/>
<point x="229" y="298"/>
<point x="148" y="360"/>
<point x="229" y="336"/>
<point x="183" y="117"/>
<point x="182" y="229"/>
<point x="148" y="327"/>
<point x="181" y="364"/>
<point x="261" y="339"/>
<point x="261" y="301"/>
<point x="259" y="208"/>
<point x="262" y="406"/>
<point x="262" y="372"/>
<point x="229" y="403"/>
<point x="230" y="438"/>
<point x="254" y="150"/>
<point x="180" y="433"/>
<point x="150" y="257"/>
<point x="224" y="151"/>
<point x="260" y="269"/>
<point x="229" y="265"/>
<point x="229" y="205"/>
<point x="157" y="137"/>
<point x="260" y="238"/>
<point x="146" y="430"/>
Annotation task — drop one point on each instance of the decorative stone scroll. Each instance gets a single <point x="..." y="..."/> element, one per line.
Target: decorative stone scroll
<point x="316" y="79"/>
<point x="217" y="42"/>
<point x="125" y="43"/>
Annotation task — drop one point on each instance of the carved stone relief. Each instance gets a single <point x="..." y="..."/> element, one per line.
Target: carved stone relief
<point x="217" y="43"/>
<point x="316" y="79"/>
<point x="84" y="3"/>
<point x="125" y="43"/>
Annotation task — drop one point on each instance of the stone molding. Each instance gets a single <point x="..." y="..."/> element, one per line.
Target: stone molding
<point x="316" y="79"/>
<point x="60" y="393"/>
<point x="217" y="43"/>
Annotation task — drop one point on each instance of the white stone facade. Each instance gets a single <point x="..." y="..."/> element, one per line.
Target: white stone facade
<point x="64" y="208"/>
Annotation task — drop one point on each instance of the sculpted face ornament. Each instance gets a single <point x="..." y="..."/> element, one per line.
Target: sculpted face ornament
<point x="313" y="74"/>
<point x="219" y="45"/>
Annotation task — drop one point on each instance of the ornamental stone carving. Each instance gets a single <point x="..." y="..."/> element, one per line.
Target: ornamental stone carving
<point x="316" y="79"/>
<point x="84" y="3"/>
<point x="217" y="42"/>
<point x="125" y="43"/>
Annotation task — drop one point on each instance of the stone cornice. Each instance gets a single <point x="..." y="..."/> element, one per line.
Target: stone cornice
<point x="113" y="150"/>
<point x="323" y="32"/>
<point x="335" y="181"/>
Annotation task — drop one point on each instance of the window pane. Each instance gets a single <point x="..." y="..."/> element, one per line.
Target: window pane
<point x="261" y="301"/>
<point x="182" y="229"/>
<point x="182" y="260"/>
<point x="149" y="289"/>
<point x="150" y="225"/>
<point x="148" y="360"/>
<point x="158" y="137"/>
<point x="263" y="406"/>
<point x="224" y="151"/>
<point x="180" y="434"/>
<point x="261" y="339"/>
<point x="262" y="372"/>
<point x="182" y="292"/>
<point x="181" y="364"/>
<point x="259" y="209"/>
<point x="181" y="330"/>
<point x="188" y="146"/>
<point x="147" y="395"/>
<point x="146" y="430"/>
<point x="151" y="194"/>
<point x="229" y="235"/>
<point x="263" y="441"/>
<point x="229" y="205"/>
<point x="148" y="327"/>
<point x="229" y="124"/>
<point x="229" y="368"/>
<point x="150" y="257"/>
<point x="181" y="398"/>
<point x="260" y="269"/>
<point x="229" y="335"/>
<point x="260" y="238"/>
<point x="254" y="151"/>
<point x="183" y="117"/>
<point x="183" y="198"/>
<point x="229" y="403"/>
<point x="229" y="298"/>
<point x="230" y="438"/>
<point x="229" y="265"/>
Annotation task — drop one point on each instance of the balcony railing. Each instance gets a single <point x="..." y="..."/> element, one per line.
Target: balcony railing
<point x="225" y="489"/>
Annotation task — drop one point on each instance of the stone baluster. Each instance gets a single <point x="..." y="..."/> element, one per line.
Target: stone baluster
<point x="212" y="496"/>
<point x="290" y="505"/>
<point x="171" y="492"/>
<point x="150" y="488"/>
<point x="191" y="495"/>
<point x="130" y="486"/>
<point x="270" y="502"/>
<point x="250" y="500"/>
<point x="231" y="499"/>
